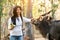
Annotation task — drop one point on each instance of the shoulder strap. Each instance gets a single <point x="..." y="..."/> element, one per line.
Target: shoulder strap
<point x="13" y="19"/>
<point x="22" y="20"/>
<point x="22" y="24"/>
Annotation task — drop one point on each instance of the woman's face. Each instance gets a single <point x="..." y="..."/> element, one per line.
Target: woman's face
<point x="18" y="11"/>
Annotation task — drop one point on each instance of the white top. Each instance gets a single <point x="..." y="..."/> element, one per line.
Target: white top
<point x="17" y="31"/>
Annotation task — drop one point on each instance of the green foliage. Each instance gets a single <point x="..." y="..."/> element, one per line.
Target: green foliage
<point x="0" y="10"/>
<point x="1" y="4"/>
<point x="39" y="10"/>
<point x="55" y="5"/>
<point x="53" y="11"/>
<point x="0" y="1"/>
<point x="59" y="0"/>
<point x="42" y="4"/>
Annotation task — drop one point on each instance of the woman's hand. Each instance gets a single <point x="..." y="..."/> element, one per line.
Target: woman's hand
<point x="32" y="20"/>
<point x="35" y="20"/>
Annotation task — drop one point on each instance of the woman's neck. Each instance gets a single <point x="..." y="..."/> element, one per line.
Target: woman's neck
<point x="18" y="15"/>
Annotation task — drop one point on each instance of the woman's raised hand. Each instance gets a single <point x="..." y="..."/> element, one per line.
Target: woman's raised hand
<point x="32" y="20"/>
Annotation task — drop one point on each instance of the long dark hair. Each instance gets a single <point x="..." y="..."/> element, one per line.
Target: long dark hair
<point x="15" y="9"/>
<point x="15" y="12"/>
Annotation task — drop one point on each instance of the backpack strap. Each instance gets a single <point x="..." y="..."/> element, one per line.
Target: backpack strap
<point x="22" y="20"/>
<point x="22" y="24"/>
<point x="13" y="19"/>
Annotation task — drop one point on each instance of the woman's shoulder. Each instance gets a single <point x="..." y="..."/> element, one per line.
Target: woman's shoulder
<point x="9" y="18"/>
<point x="24" y="17"/>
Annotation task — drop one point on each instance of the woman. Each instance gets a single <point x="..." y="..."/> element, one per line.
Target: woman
<point x="16" y="20"/>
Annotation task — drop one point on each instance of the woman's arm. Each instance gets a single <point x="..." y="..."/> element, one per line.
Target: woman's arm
<point x="26" y="19"/>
